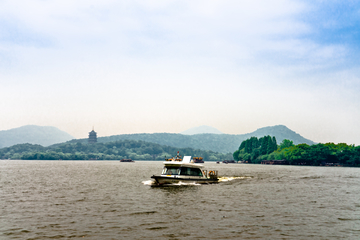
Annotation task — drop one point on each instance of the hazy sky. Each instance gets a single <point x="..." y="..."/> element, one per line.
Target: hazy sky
<point x="166" y="66"/>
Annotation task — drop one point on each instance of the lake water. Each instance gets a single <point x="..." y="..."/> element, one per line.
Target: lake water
<point x="112" y="200"/>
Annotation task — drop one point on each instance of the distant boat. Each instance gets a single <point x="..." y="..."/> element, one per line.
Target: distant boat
<point x="228" y="161"/>
<point x="198" y="160"/>
<point x="127" y="160"/>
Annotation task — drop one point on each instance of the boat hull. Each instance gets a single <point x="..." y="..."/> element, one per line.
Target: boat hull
<point x="161" y="180"/>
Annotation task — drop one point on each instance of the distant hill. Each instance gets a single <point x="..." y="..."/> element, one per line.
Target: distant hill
<point x="136" y="150"/>
<point x="223" y="143"/>
<point x="43" y="135"/>
<point x="281" y="132"/>
<point x="201" y="130"/>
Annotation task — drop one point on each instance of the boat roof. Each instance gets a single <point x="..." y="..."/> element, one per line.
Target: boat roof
<point x="183" y="164"/>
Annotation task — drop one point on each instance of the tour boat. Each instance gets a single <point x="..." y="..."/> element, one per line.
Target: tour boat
<point x="198" y="160"/>
<point x="177" y="170"/>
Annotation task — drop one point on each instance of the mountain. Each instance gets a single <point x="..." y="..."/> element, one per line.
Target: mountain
<point x="43" y="135"/>
<point x="201" y="130"/>
<point x="223" y="143"/>
<point x="217" y="142"/>
<point x="281" y="132"/>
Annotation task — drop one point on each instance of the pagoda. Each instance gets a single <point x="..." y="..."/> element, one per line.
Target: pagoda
<point x="92" y="137"/>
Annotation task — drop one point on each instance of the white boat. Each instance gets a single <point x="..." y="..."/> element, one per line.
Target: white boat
<point x="184" y="170"/>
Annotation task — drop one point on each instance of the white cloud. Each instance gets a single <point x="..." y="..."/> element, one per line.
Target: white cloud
<point x="114" y="62"/>
<point x="234" y="30"/>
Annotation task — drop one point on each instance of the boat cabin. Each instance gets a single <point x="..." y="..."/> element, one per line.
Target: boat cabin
<point x="185" y="171"/>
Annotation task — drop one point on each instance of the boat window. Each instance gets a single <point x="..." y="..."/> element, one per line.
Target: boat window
<point x="171" y="171"/>
<point x="191" y="171"/>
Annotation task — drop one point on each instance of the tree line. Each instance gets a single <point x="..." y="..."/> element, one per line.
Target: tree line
<point x="255" y="150"/>
<point x="136" y="150"/>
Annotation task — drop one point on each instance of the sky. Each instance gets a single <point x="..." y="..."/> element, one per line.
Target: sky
<point x="125" y="67"/>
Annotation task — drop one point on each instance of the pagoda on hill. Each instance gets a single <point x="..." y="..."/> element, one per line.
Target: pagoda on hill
<point x="92" y="137"/>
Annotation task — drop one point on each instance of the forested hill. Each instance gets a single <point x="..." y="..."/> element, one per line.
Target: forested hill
<point x="255" y="150"/>
<point x="224" y="143"/>
<point x="136" y="150"/>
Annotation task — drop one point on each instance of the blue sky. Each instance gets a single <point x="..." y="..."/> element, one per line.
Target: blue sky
<point x="166" y="66"/>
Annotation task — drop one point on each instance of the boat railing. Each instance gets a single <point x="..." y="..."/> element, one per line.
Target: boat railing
<point x="212" y="174"/>
<point x="173" y="159"/>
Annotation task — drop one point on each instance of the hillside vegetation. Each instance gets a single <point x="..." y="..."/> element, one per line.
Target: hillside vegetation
<point x="254" y="150"/>
<point x="136" y="150"/>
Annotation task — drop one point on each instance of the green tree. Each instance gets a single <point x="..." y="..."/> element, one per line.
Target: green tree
<point x="286" y="143"/>
<point x="236" y="155"/>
